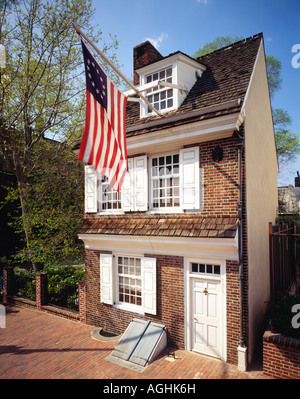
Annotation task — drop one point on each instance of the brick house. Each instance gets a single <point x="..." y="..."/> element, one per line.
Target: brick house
<point x="185" y="243"/>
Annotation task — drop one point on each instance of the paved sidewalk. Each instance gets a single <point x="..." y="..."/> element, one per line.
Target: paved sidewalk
<point x="37" y="345"/>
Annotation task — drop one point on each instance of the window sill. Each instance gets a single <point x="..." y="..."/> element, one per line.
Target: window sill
<point x="102" y="213"/>
<point x="130" y="308"/>
<point x="165" y="211"/>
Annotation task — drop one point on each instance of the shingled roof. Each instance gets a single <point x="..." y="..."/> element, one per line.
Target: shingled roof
<point x="137" y="224"/>
<point x="226" y="78"/>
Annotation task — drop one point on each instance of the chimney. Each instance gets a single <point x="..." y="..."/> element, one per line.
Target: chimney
<point x="144" y="54"/>
<point x="297" y="180"/>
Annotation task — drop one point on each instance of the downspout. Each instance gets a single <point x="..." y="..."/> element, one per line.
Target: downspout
<point x="242" y="350"/>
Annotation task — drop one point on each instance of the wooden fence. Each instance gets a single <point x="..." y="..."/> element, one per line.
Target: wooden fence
<point x="282" y="238"/>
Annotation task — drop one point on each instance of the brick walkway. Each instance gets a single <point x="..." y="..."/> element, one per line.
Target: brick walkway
<point x="37" y="345"/>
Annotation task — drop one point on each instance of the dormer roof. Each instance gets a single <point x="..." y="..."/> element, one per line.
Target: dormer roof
<point x="224" y="82"/>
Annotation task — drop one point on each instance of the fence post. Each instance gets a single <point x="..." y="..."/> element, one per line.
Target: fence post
<point x="7" y="283"/>
<point x="82" y="301"/>
<point x="41" y="289"/>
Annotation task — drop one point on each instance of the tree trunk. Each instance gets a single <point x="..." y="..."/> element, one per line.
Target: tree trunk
<point x="22" y="191"/>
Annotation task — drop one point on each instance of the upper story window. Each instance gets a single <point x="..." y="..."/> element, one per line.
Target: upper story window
<point x="166" y="82"/>
<point x="160" y="96"/>
<point x="110" y="198"/>
<point x="163" y="183"/>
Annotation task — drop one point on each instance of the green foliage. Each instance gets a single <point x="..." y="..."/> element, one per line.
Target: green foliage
<point x="287" y="142"/>
<point x="282" y="318"/>
<point x="42" y="94"/>
<point x="62" y="284"/>
<point x="54" y="202"/>
<point x="217" y="44"/>
<point x="65" y="274"/>
<point x="274" y="74"/>
<point x="24" y="283"/>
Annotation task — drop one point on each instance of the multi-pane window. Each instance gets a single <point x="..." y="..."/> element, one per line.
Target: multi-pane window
<point x="206" y="268"/>
<point x="110" y="198"/>
<point x="130" y="280"/>
<point x="165" y="181"/>
<point x="161" y="97"/>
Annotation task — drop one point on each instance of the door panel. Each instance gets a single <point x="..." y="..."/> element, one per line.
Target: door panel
<point x="206" y="317"/>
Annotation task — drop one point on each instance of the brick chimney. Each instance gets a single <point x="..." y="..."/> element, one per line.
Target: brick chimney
<point x="144" y="54"/>
<point x="297" y="180"/>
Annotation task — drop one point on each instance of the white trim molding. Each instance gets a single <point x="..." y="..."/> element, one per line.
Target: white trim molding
<point x="216" y="248"/>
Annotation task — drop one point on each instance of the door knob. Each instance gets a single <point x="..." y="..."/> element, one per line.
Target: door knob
<point x="195" y="318"/>
<point x="205" y="292"/>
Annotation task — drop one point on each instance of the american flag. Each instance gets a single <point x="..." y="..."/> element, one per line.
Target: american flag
<point x="103" y="144"/>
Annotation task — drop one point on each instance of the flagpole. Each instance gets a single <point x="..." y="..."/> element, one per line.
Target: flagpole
<point x="78" y="30"/>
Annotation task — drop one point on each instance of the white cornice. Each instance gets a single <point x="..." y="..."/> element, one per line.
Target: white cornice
<point x="185" y="134"/>
<point x="167" y="61"/>
<point x="186" y="115"/>
<point x="213" y="248"/>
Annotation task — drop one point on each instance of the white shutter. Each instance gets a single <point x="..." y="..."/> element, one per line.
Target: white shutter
<point x="189" y="178"/>
<point x="141" y="183"/>
<point x="149" y="285"/>
<point x="90" y="189"/>
<point x="106" y="279"/>
<point x="127" y="189"/>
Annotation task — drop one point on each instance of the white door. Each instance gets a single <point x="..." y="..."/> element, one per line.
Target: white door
<point x="206" y="317"/>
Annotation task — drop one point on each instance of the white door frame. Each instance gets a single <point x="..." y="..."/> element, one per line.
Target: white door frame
<point x="189" y="276"/>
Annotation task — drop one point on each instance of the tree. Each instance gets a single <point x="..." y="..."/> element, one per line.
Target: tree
<point x="41" y="89"/>
<point x="287" y="142"/>
<point x="274" y="74"/>
<point x="217" y="44"/>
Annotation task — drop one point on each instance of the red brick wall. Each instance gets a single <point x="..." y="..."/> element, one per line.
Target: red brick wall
<point x="220" y="198"/>
<point x="220" y="179"/>
<point x="281" y="356"/>
<point x="232" y="310"/>
<point x="144" y="54"/>
<point x="170" y="299"/>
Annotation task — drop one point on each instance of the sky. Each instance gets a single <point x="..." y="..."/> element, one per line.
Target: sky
<point x="187" y="25"/>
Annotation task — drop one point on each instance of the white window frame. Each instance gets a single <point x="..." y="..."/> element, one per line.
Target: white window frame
<point x="109" y="282"/>
<point x="100" y="193"/>
<point x="157" y="90"/>
<point x="153" y="178"/>
<point x="144" y="86"/>
<point x="137" y="189"/>
<point x="124" y="304"/>
<point x="190" y="181"/>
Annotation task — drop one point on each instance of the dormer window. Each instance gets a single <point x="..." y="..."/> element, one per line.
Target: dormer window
<point x="164" y="81"/>
<point x="160" y="96"/>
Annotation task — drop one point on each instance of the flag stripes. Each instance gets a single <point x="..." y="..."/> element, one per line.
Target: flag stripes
<point x="104" y="137"/>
